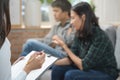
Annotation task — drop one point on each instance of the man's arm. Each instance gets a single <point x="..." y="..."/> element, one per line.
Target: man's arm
<point x="48" y="38"/>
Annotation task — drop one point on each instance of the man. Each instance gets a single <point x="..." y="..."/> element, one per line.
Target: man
<point x="63" y="30"/>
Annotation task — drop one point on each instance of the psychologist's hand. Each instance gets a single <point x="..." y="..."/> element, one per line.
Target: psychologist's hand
<point x="35" y="61"/>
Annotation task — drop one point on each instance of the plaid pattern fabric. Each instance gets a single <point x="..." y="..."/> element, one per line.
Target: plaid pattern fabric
<point x="97" y="53"/>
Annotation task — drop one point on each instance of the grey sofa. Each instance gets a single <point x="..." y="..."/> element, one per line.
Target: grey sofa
<point x="117" y="49"/>
<point x="114" y="35"/>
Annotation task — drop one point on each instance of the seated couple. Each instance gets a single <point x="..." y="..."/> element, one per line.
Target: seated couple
<point x="85" y="51"/>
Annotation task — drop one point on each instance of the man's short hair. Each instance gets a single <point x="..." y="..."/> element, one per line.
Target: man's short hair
<point x="64" y="5"/>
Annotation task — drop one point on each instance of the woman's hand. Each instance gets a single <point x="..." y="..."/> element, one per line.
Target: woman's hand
<point x="35" y="61"/>
<point x="58" y="41"/>
<point x="55" y="37"/>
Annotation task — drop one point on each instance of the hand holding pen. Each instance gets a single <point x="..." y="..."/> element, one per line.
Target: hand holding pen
<point x="35" y="62"/>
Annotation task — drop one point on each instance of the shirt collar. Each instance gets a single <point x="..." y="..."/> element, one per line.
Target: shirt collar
<point x="67" y="22"/>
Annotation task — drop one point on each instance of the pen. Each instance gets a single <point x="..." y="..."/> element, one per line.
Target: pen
<point x="29" y="61"/>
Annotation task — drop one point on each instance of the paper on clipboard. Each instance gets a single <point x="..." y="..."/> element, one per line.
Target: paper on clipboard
<point x="33" y="75"/>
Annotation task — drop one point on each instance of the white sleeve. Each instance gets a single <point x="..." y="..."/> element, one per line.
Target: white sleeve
<point x="21" y="76"/>
<point x="5" y="64"/>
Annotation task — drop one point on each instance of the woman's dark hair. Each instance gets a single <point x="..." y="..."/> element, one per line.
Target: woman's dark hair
<point x="5" y="24"/>
<point x="64" y="5"/>
<point x="83" y="8"/>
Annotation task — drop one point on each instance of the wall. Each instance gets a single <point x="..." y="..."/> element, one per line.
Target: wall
<point x="108" y="11"/>
<point x="15" y="12"/>
<point x="18" y="37"/>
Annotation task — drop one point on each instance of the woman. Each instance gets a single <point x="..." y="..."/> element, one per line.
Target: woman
<point x="92" y="55"/>
<point x="5" y="64"/>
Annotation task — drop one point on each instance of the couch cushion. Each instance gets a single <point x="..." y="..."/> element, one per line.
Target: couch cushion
<point x="117" y="48"/>
<point x="111" y="32"/>
<point x="46" y="75"/>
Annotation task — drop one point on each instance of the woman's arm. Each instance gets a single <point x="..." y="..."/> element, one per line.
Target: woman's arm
<point x="64" y="61"/>
<point x="76" y="60"/>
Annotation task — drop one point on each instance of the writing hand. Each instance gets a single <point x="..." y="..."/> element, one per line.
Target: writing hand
<point x="35" y="62"/>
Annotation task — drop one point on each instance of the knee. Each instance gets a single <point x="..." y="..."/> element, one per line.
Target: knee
<point x="69" y="75"/>
<point x="74" y="75"/>
<point x="30" y="42"/>
<point x="55" y="68"/>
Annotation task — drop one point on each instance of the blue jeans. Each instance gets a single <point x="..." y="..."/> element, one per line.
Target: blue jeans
<point x="73" y="73"/>
<point x="36" y="45"/>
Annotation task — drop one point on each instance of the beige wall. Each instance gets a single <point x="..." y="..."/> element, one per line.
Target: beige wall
<point x="108" y="11"/>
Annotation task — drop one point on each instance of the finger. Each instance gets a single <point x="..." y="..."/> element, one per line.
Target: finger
<point x="42" y="61"/>
<point x="43" y="55"/>
<point x="40" y="57"/>
<point x="55" y="41"/>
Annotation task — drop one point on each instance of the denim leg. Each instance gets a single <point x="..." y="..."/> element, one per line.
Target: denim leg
<point x="59" y="71"/>
<point x="28" y="47"/>
<point x="90" y="75"/>
<point x="39" y="46"/>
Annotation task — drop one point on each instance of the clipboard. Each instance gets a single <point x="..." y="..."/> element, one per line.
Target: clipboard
<point x="34" y="74"/>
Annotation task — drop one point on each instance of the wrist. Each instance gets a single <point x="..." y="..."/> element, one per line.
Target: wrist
<point x="27" y="69"/>
<point x="64" y="46"/>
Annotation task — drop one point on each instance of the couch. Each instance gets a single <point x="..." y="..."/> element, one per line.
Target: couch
<point x="114" y="35"/>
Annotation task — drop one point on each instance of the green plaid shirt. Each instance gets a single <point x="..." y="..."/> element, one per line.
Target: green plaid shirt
<point x="96" y="53"/>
